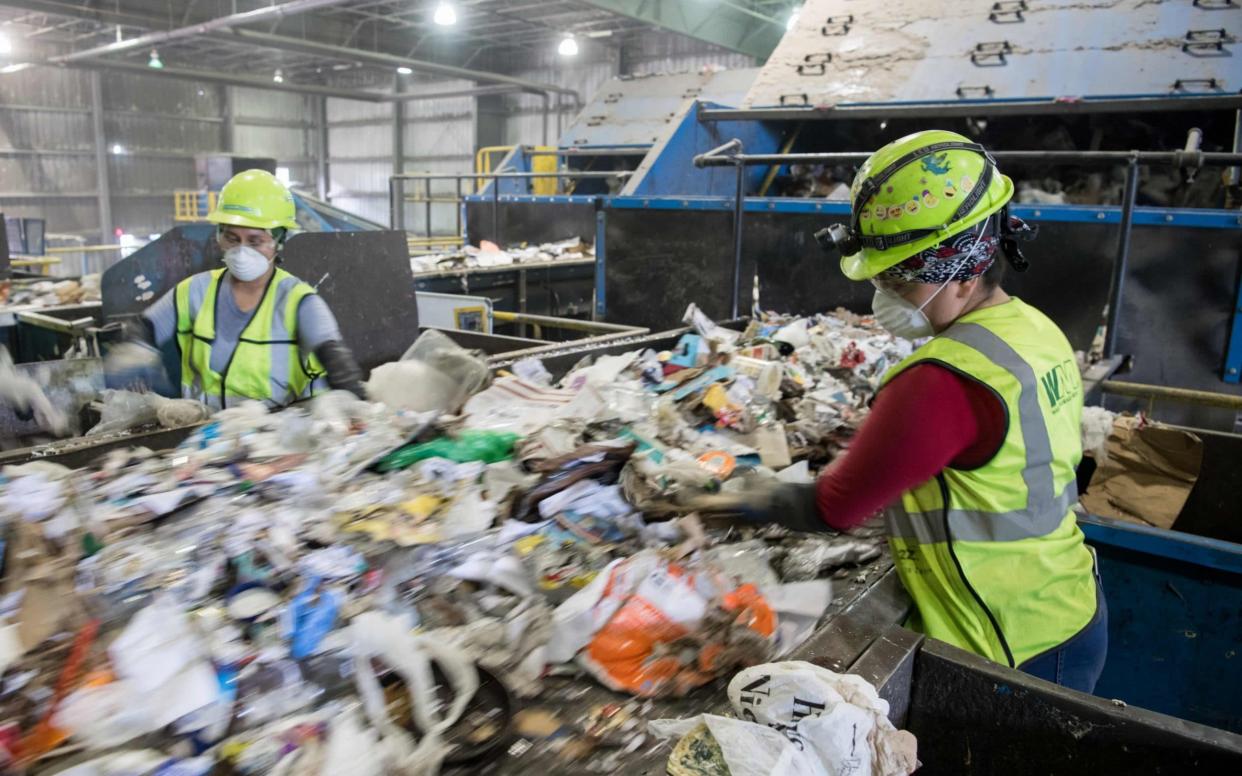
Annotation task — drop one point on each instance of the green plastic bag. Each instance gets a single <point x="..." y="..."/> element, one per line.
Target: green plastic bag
<point x="485" y="446"/>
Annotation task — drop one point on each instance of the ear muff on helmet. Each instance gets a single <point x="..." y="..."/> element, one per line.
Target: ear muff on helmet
<point x="1014" y="230"/>
<point x="850" y="240"/>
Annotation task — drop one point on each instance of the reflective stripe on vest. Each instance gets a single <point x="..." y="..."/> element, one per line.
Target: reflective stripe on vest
<point x="972" y="525"/>
<point x="1045" y="507"/>
<point x="1007" y="575"/>
<point x="266" y="363"/>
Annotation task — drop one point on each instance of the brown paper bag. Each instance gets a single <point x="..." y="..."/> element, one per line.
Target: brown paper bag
<point x="1148" y="475"/>
<point x="45" y="570"/>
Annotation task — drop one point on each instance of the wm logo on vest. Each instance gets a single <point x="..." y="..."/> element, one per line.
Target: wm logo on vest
<point x="1061" y="383"/>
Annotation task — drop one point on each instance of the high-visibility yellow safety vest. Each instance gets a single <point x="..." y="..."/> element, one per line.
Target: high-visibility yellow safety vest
<point x="266" y="365"/>
<point x="993" y="556"/>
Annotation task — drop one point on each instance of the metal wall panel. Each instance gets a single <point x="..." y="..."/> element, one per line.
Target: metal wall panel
<point x="440" y="137"/>
<point x="143" y="215"/>
<point x="163" y="133"/>
<point x="155" y="94"/>
<point x="39" y="174"/>
<point x="351" y="110"/>
<point x="365" y="175"/>
<point x="359" y="142"/>
<point x="130" y="174"/>
<point x="373" y="208"/>
<point x="276" y="142"/>
<point x="46" y="86"/>
<point x="266" y="103"/>
<point x="45" y="130"/>
<point x="302" y="175"/>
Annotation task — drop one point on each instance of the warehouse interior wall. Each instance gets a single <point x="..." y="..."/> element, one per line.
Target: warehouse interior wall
<point x="153" y="128"/>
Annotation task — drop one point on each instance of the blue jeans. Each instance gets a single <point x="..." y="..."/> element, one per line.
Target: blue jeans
<point x="1077" y="663"/>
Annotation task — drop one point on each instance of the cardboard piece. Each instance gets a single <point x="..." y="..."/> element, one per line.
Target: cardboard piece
<point x="45" y="571"/>
<point x="1148" y="475"/>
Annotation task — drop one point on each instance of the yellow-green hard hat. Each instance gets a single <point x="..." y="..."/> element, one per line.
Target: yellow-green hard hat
<point x="915" y="193"/>
<point x="255" y="199"/>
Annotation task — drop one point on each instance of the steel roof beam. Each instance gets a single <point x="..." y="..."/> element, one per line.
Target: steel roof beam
<point x="268" y="13"/>
<point x="392" y="61"/>
<point x="287" y="43"/>
<point x="231" y="79"/>
<point x="725" y="24"/>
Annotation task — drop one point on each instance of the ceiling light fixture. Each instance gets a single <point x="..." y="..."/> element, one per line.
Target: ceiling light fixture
<point x="117" y="148"/>
<point x="6" y="45"/>
<point x="793" y="18"/>
<point x="154" y="62"/>
<point x="278" y="76"/>
<point x="568" y="46"/>
<point x="445" y="15"/>
<point x="403" y="70"/>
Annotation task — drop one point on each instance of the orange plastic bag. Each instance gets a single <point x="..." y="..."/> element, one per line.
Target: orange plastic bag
<point x="679" y="630"/>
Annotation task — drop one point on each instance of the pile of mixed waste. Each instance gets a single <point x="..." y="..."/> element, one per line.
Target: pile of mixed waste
<point x="364" y="587"/>
<point x="488" y="254"/>
<point x="816" y="181"/>
<point x="50" y="293"/>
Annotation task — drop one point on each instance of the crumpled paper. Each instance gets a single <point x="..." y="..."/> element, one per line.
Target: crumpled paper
<point x="797" y="719"/>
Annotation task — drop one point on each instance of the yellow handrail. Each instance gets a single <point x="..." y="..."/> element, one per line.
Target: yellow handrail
<point x="193" y="205"/>
<point x="44" y="263"/>
<point x="483" y="162"/>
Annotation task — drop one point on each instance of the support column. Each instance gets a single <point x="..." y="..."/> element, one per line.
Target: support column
<point x="398" y="151"/>
<point x="398" y="129"/>
<point x="321" y="146"/>
<point x="230" y="119"/>
<point x="103" y="191"/>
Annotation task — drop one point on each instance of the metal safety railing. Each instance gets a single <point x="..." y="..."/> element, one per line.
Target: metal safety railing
<point x="397" y="197"/>
<point x="51" y="257"/>
<point x="193" y="206"/>
<point x="537" y="322"/>
<point x="732" y="154"/>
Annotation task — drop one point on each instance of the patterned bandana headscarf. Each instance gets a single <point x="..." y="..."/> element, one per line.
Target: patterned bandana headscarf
<point x="957" y="258"/>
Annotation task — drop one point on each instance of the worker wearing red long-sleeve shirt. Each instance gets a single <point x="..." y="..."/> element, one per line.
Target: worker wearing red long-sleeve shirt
<point x="972" y="442"/>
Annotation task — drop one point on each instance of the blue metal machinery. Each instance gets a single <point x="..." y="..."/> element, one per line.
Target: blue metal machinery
<point x="850" y="78"/>
<point x="1175" y="605"/>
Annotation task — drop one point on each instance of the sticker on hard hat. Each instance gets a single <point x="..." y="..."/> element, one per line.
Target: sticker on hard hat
<point x="231" y="208"/>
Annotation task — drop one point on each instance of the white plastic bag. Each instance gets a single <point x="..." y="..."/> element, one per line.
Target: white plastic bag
<point x="389" y="638"/>
<point x="123" y="410"/>
<point x="798" y="718"/>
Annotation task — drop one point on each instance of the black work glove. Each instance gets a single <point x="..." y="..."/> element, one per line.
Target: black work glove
<point x="765" y="501"/>
<point x="344" y="374"/>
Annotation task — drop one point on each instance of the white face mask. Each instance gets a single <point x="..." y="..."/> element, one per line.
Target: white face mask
<point x="900" y="317"/>
<point x="245" y="262"/>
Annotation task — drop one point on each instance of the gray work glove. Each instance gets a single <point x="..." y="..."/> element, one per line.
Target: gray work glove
<point x="344" y="374"/>
<point x="135" y="366"/>
<point x="763" y="500"/>
<point x="27" y="399"/>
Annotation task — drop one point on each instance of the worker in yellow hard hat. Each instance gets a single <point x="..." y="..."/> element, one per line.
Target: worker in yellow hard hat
<point x="972" y="443"/>
<point x="249" y="330"/>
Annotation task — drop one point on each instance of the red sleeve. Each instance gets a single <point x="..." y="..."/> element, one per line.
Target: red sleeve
<point x="927" y="418"/>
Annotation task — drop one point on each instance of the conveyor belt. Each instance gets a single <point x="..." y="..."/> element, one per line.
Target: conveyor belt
<point x="866" y="602"/>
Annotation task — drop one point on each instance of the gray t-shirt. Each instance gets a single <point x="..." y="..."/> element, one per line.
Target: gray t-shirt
<point x="316" y="324"/>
